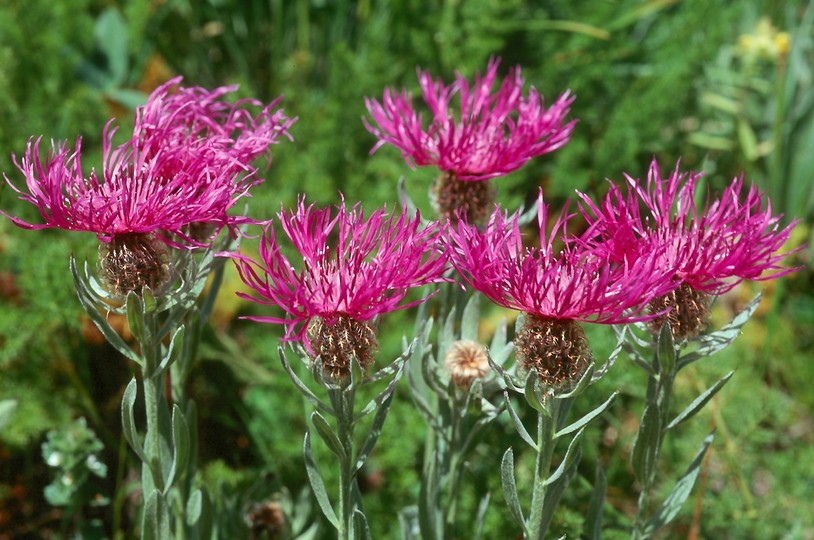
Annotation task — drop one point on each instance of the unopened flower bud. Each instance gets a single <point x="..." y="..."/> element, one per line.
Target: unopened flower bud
<point x="466" y="361"/>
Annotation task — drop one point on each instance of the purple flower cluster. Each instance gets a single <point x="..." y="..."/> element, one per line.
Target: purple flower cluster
<point x="350" y="265"/>
<point x="188" y="161"/>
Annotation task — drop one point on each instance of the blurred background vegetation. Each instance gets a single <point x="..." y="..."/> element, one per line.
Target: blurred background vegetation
<point x="723" y="86"/>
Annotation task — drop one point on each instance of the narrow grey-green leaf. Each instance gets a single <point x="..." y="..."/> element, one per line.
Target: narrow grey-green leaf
<point x="317" y="484"/>
<point x="88" y="301"/>
<point x="155" y="523"/>
<point x="193" y="508"/>
<point x="129" y="421"/>
<point x="327" y="434"/>
<point x="180" y="443"/>
<point x="480" y="517"/>
<point x="375" y="430"/>
<point x="518" y="424"/>
<point x="570" y="455"/>
<point x="664" y="361"/>
<point x="596" y="505"/>
<point x="470" y="318"/>
<point x="361" y="530"/>
<point x="554" y="492"/>
<point x="173" y="350"/>
<point x="672" y="504"/>
<point x="583" y="383"/>
<point x="720" y="339"/>
<point x="699" y="402"/>
<point x="301" y="386"/>
<point x="429" y="515"/>
<point x="587" y="418"/>
<point x="135" y="316"/>
<point x="645" y="448"/>
<point x="510" y="488"/>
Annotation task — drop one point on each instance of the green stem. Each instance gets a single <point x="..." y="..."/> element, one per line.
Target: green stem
<point x="546" y="427"/>
<point x="343" y="402"/>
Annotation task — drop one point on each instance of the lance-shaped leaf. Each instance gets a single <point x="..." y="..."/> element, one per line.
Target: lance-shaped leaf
<point x="361" y="530"/>
<point x="672" y="504"/>
<point x="646" y="447"/>
<point x="173" y="350"/>
<point x="470" y="318"/>
<point x="317" y="485"/>
<point x="699" y="402"/>
<point x="180" y="444"/>
<point x="480" y="517"/>
<point x="328" y="435"/>
<point x="556" y="489"/>
<point x="518" y="424"/>
<point x="535" y="395"/>
<point x="129" y="421"/>
<point x="429" y="517"/>
<point x="377" y="426"/>
<point x="90" y="302"/>
<point x="570" y="455"/>
<point x="593" y="519"/>
<point x="664" y="361"/>
<point x="301" y="386"/>
<point x="585" y="380"/>
<point x="714" y="342"/>
<point x="510" y="489"/>
<point x="155" y="523"/>
<point x="587" y="418"/>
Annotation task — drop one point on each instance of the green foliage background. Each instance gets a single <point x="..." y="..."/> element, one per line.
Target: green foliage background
<point x="640" y="71"/>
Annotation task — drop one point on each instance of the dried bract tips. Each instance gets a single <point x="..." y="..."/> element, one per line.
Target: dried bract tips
<point x="339" y="341"/>
<point x="556" y="349"/>
<point x="451" y="197"/>
<point x="130" y="262"/>
<point x="466" y="361"/>
<point x="688" y="313"/>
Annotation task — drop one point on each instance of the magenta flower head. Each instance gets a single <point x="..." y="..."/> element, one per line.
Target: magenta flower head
<point x="352" y="270"/>
<point x="492" y="134"/>
<point x="554" y="289"/>
<point x="709" y="250"/>
<point x="187" y="163"/>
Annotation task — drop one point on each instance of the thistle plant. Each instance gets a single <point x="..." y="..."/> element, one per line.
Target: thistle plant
<point x="457" y="393"/>
<point x="709" y="251"/>
<point x="650" y="261"/>
<point x="554" y="363"/>
<point x="186" y="164"/>
<point x="354" y="270"/>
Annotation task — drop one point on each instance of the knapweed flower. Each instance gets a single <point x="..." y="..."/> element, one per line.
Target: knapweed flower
<point x="491" y="135"/>
<point x="709" y="250"/>
<point x="187" y="163"/>
<point x="352" y="270"/>
<point x="555" y="290"/>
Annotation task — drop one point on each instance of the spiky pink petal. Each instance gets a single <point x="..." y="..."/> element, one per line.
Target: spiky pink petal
<point x="350" y="265"/>
<point x="492" y="135"/>
<point x="571" y="284"/>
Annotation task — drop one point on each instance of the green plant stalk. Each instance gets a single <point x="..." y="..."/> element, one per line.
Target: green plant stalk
<point x="776" y="158"/>
<point x="343" y="400"/>
<point x="661" y="386"/>
<point x="546" y="427"/>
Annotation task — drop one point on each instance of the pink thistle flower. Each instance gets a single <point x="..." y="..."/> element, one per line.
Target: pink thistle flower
<point x="571" y="284"/>
<point x="556" y="290"/>
<point x="181" y="166"/>
<point x="353" y="269"/>
<point x="712" y="249"/>
<point x="493" y="134"/>
<point x="709" y="250"/>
